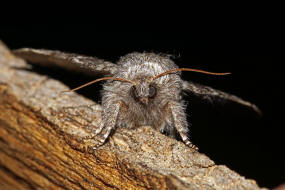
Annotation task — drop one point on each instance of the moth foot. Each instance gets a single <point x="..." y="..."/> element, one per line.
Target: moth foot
<point x="194" y="147"/>
<point x="99" y="141"/>
<point x="191" y="145"/>
<point x="91" y="136"/>
<point x="97" y="145"/>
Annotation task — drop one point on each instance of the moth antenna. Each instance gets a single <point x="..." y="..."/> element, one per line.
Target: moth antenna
<point x="188" y="69"/>
<point x="97" y="80"/>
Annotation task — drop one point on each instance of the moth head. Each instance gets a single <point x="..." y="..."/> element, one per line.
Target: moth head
<point x="143" y="92"/>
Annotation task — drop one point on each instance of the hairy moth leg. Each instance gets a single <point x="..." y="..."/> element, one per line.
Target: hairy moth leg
<point x="180" y="122"/>
<point x="110" y="114"/>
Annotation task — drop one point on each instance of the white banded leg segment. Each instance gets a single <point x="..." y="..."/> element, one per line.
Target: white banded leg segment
<point x="110" y="115"/>
<point x="180" y="122"/>
<point x="101" y="126"/>
<point x="94" y="134"/>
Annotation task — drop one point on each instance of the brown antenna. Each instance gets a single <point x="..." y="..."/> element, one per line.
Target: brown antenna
<point x="187" y="69"/>
<point x="97" y="80"/>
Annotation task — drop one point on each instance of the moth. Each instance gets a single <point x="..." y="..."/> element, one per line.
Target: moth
<point x="141" y="89"/>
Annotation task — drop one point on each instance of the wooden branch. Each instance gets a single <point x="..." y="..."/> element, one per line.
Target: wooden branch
<point x="43" y="144"/>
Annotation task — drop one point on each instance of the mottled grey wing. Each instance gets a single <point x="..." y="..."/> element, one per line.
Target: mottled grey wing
<point x="211" y="94"/>
<point x="78" y="63"/>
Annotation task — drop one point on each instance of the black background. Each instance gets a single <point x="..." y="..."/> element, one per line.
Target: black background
<point x="229" y="134"/>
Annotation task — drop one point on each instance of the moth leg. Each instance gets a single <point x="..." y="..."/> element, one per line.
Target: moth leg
<point x="167" y="127"/>
<point x="110" y="115"/>
<point x="180" y="123"/>
<point x="96" y="132"/>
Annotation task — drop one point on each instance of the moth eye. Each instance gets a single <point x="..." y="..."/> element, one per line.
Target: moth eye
<point x="152" y="91"/>
<point x="134" y="92"/>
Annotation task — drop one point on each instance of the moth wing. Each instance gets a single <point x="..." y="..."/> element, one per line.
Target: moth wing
<point x="213" y="95"/>
<point x="74" y="62"/>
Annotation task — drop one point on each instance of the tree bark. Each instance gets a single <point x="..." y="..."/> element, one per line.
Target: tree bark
<point x="43" y="143"/>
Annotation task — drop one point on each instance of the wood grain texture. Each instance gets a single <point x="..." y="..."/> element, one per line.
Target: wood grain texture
<point x="43" y="144"/>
